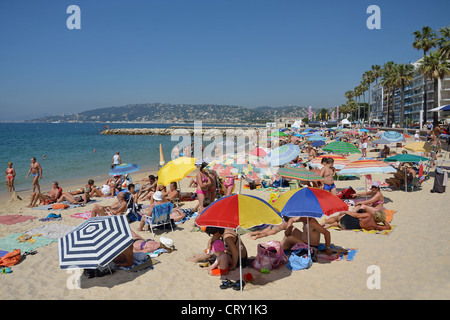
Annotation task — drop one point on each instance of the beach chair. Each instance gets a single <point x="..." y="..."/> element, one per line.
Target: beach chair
<point x="160" y="216"/>
<point x="132" y="208"/>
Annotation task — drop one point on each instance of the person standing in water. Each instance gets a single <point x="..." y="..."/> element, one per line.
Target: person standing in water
<point x="36" y="170"/>
<point x="116" y="160"/>
<point x="10" y="175"/>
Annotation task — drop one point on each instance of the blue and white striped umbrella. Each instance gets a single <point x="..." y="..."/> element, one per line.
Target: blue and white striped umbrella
<point x="283" y="154"/>
<point x="95" y="242"/>
<point x="124" y="168"/>
<point x="392" y="136"/>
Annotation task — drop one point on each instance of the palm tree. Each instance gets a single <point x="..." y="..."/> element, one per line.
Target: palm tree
<point x="388" y="82"/>
<point x="405" y="74"/>
<point x="434" y="67"/>
<point x="444" y="42"/>
<point x="424" y="41"/>
<point x="368" y="78"/>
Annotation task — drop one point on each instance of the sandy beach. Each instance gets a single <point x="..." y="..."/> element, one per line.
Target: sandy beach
<point x="413" y="259"/>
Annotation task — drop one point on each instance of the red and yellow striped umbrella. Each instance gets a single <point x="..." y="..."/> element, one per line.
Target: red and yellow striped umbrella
<point x="339" y="161"/>
<point x="367" y="166"/>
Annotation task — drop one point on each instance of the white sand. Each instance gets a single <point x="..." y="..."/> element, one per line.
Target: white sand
<point x="413" y="260"/>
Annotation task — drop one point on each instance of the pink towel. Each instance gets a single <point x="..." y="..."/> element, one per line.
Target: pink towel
<point x="84" y="215"/>
<point x="15" y="218"/>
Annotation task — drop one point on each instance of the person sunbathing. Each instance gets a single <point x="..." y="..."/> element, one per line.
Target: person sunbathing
<point x="45" y="199"/>
<point x="362" y="217"/>
<point x="269" y="231"/>
<point x="118" y="208"/>
<point x="74" y="199"/>
<point x="377" y="199"/>
<point x="86" y="189"/>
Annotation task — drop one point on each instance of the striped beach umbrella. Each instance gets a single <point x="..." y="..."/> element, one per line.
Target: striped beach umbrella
<point x="299" y="174"/>
<point x="392" y="136"/>
<point x="283" y="154"/>
<point x="341" y="147"/>
<point x="95" y="242"/>
<point x="339" y="161"/>
<point x="308" y="202"/>
<point x="366" y="166"/>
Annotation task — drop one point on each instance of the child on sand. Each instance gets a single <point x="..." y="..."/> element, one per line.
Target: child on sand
<point x="223" y="260"/>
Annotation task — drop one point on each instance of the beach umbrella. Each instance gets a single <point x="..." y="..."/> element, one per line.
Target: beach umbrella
<point x="339" y="161"/>
<point x="176" y="170"/>
<point x="238" y="211"/>
<point x="341" y="147"/>
<point x="161" y="156"/>
<point x="364" y="130"/>
<point x="419" y="146"/>
<point x="318" y="143"/>
<point x="317" y="138"/>
<point x="298" y="135"/>
<point x="441" y="108"/>
<point x="381" y="141"/>
<point x="283" y="154"/>
<point x="392" y="136"/>
<point x="124" y="168"/>
<point x="299" y="174"/>
<point x="278" y="134"/>
<point x="260" y="152"/>
<point x="366" y="166"/>
<point x="308" y="202"/>
<point x="95" y="242"/>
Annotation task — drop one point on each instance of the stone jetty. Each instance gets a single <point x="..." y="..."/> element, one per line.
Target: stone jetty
<point x="178" y="130"/>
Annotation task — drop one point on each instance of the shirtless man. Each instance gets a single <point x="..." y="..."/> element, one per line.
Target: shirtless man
<point x="327" y="173"/>
<point x="293" y="235"/>
<point x="36" y="170"/>
<point x="50" y="197"/>
<point x="362" y="217"/>
<point x="311" y="152"/>
<point x="118" y="208"/>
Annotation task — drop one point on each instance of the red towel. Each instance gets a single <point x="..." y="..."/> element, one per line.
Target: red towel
<point x="15" y="218"/>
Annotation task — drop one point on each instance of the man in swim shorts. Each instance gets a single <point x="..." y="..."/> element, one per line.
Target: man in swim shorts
<point x="36" y="170"/>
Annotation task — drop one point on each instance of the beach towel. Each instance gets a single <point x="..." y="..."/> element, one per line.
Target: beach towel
<point x="15" y="218"/>
<point x="52" y="231"/>
<point x="11" y="242"/>
<point x="82" y="215"/>
<point x="50" y="206"/>
<point x="383" y="232"/>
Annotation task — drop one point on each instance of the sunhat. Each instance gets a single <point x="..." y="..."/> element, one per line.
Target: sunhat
<point x="167" y="243"/>
<point x="218" y="246"/>
<point x="158" y="196"/>
<point x="376" y="184"/>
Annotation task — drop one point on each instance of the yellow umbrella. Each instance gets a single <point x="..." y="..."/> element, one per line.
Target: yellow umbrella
<point x="176" y="170"/>
<point x="419" y="146"/>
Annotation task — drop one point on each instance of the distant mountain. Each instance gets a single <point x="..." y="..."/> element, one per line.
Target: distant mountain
<point x="180" y="113"/>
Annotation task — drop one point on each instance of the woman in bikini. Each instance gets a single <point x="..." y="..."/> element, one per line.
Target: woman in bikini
<point x="203" y="184"/>
<point x="377" y="199"/>
<point x="327" y="173"/>
<point x="10" y="175"/>
<point x="228" y="184"/>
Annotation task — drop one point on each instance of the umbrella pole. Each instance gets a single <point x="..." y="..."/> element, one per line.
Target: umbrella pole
<point x="240" y="260"/>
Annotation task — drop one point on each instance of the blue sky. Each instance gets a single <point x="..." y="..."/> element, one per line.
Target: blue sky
<point x="240" y="52"/>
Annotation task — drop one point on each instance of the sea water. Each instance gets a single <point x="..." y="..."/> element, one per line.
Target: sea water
<point x="75" y="151"/>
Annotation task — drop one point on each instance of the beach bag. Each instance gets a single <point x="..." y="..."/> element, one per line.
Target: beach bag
<point x="347" y="193"/>
<point x="300" y="259"/>
<point x="269" y="255"/>
<point x="11" y="258"/>
<point x="60" y="206"/>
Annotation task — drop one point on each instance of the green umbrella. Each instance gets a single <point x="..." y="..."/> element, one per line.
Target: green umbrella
<point x="299" y="174"/>
<point x="406" y="158"/>
<point x="278" y="134"/>
<point x="341" y="147"/>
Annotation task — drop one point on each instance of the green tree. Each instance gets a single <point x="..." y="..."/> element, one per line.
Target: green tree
<point x="434" y="67"/>
<point x="424" y="41"/>
<point x="404" y="76"/>
<point x="443" y="42"/>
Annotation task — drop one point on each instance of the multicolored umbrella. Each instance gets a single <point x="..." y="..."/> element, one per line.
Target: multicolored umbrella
<point x="238" y="211"/>
<point x="299" y="174"/>
<point x="308" y="202"/>
<point x="176" y="170"/>
<point x="366" y="166"/>
<point x="339" y="161"/>
<point x="341" y="147"/>
<point x="124" y="168"/>
<point x="283" y="154"/>
<point x="392" y="136"/>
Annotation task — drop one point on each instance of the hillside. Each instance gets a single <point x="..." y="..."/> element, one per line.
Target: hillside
<point x="180" y="113"/>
